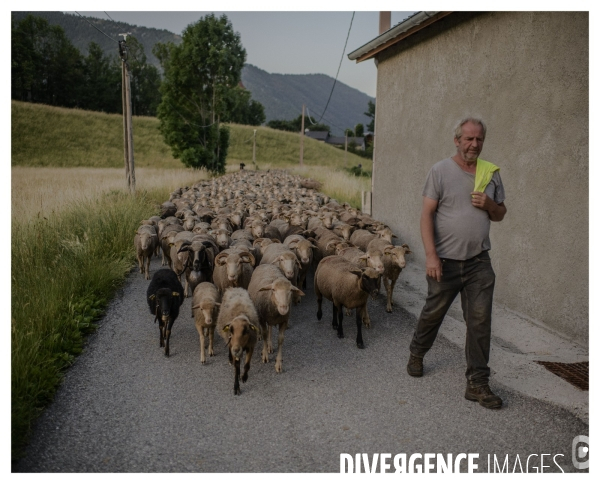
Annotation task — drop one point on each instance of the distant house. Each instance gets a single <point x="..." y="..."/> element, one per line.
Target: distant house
<point x="527" y="75"/>
<point x="359" y="141"/>
<point x="318" y="135"/>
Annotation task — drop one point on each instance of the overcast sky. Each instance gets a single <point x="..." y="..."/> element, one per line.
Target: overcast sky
<point x="286" y="42"/>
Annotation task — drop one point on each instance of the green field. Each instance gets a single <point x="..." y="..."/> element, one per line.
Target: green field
<point x="50" y="136"/>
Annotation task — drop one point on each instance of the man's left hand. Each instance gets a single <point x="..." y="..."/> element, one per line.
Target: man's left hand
<point x="482" y="201"/>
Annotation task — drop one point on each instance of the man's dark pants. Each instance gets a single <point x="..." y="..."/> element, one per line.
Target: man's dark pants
<point x="474" y="279"/>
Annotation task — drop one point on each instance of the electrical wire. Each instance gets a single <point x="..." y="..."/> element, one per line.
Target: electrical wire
<point x="97" y="28"/>
<point x="338" y="71"/>
<point x="309" y="118"/>
<point x="110" y="17"/>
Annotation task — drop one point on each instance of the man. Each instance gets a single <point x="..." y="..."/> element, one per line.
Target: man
<point x="455" y="225"/>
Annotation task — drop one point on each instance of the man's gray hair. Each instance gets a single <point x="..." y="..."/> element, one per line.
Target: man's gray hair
<point x="458" y="128"/>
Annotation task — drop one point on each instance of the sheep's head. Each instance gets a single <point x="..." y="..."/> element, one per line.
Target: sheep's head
<point x="281" y="294"/>
<point x="374" y="259"/>
<point x="344" y="231"/>
<point x="240" y="334"/>
<point x="233" y="262"/>
<point x="209" y="310"/>
<point x="386" y="233"/>
<point x="289" y="264"/>
<point x="397" y="254"/>
<point x="166" y="301"/>
<point x="222" y="237"/>
<point x="368" y="280"/>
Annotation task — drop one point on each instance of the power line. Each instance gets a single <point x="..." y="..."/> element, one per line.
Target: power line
<point x="97" y="28"/>
<point x="338" y="71"/>
<point x="110" y="17"/>
<point x="309" y="118"/>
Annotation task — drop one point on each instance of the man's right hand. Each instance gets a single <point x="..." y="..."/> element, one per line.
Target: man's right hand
<point x="433" y="267"/>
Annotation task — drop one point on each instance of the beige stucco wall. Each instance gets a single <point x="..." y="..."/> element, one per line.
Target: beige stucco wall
<point x="526" y="75"/>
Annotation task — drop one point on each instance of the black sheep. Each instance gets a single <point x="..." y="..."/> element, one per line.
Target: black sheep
<point x="164" y="296"/>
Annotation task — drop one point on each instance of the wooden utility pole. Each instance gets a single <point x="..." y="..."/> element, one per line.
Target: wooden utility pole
<point x="127" y="121"/>
<point x="302" y="139"/>
<point x="346" y="149"/>
<point x="254" y="150"/>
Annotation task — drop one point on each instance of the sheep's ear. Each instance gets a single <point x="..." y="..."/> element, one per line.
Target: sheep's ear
<point x="152" y="297"/>
<point x="406" y="249"/>
<point x="175" y="294"/>
<point x="226" y="328"/>
<point x="388" y="250"/>
<point x="297" y="291"/>
<point x="254" y="328"/>
<point x="266" y="288"/>
<point x="196" y="307"/>
<point x="395" y="236"/>
<point x="217" y="304"/>
<point x="364" y="257"/>
<point x="356" y="272"/>
<point x="277" y="241"/>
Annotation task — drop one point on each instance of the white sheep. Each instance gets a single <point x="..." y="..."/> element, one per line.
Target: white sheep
<point x="145" y="242"/>
<point x="271" y="293"/>
<point x="346" y="285"/>
<point x="238" y="325"/>
<point x="205" y="310"/>
<point x="393" y="263"/>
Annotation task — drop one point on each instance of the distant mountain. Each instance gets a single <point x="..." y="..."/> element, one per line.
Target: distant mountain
<point x="81" y="33"/>
<point x="282" y="95"/>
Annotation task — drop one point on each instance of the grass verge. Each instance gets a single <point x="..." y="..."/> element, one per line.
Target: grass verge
<point x="64" y="271"/>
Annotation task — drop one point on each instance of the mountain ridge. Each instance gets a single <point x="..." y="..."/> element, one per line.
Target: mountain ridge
<point x="282" y="95"/>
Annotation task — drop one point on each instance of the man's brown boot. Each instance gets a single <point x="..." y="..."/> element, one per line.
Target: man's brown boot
<point x="482" y="394"/>
<point x="415" y="366"/>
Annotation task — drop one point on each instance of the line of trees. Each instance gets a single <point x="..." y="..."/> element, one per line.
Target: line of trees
<point x="47" y="68"/>
<point x="295" y="125"/>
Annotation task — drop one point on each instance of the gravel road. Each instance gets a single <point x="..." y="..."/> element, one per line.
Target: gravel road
<point x="125" y="407"/>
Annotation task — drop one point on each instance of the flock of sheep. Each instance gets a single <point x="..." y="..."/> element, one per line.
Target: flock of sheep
<point x="243" y="245"/>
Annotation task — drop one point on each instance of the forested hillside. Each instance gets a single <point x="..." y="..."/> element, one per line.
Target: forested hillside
<point x="81" y="33"/>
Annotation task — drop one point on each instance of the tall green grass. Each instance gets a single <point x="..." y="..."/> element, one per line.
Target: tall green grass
<point x="64" y="271"/>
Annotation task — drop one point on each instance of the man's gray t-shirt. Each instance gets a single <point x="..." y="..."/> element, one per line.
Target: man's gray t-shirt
<point x="461" y="231"/>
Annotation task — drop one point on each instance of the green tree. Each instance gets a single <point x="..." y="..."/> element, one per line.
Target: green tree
<point x="240" y="108"/>
<point x="371" y="114"/>
<point x="198" y="75"/>
<point x="45" y="66"/>
<point x="102" y="82"/>
<point x="359" y="130"/>
<point x="348" y="132"/>
<point x="145" y="80"/>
